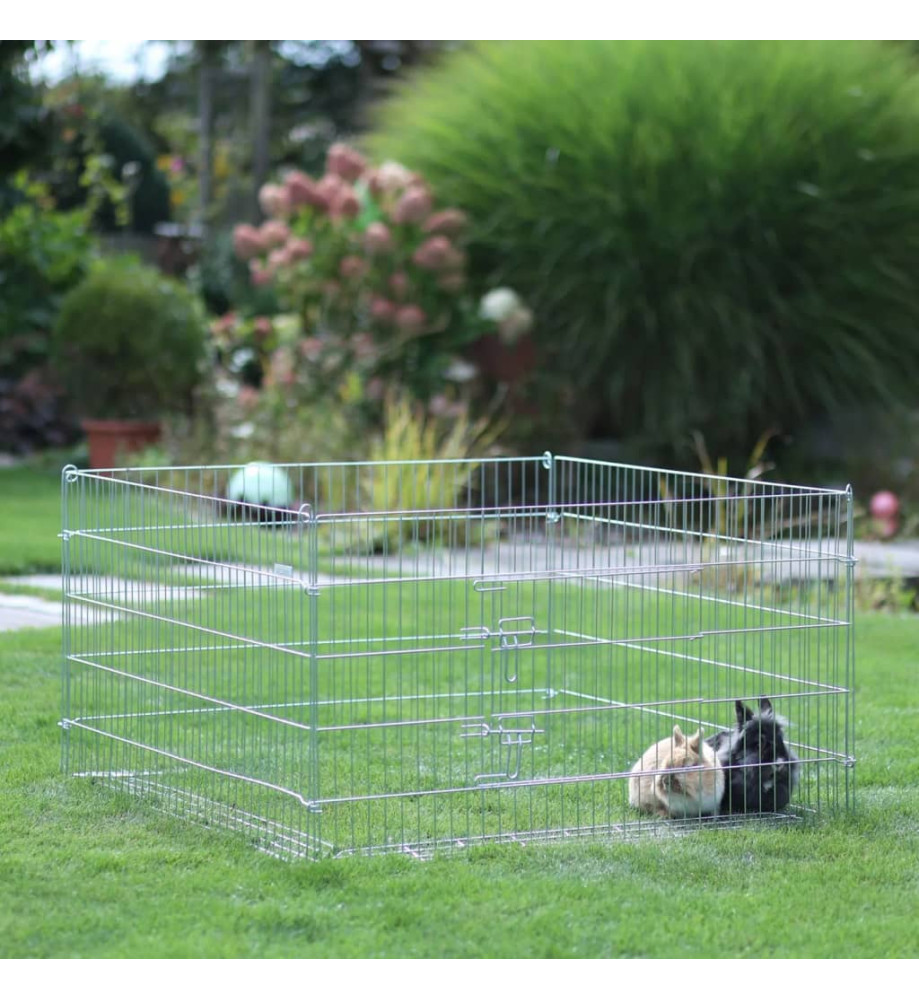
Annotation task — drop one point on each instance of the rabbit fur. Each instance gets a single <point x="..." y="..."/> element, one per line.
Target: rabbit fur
<point x="672" y="791"/>
<point x="761" y="769"/>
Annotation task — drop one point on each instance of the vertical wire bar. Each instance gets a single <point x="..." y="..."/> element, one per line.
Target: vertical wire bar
<point x="68" y="479"/>
<point x="849" y="660"/>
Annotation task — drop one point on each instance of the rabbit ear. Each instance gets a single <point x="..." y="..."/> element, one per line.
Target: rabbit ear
<point x="678" y="738"/>
<point x="695" y="740"/>
<point x="765" y="706"/>
<point x="744" y="714"/>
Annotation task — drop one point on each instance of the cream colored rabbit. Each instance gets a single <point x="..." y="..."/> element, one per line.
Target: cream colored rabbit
<point x="678" y="777"/>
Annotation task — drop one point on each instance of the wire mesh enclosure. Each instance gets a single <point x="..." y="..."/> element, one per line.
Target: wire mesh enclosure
<point x="406" y="656"/>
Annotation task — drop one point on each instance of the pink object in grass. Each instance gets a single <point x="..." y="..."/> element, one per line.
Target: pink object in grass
<point x="885" y="505"/>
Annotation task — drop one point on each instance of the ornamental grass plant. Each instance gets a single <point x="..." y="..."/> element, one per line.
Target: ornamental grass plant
<point x="719" y="236"/>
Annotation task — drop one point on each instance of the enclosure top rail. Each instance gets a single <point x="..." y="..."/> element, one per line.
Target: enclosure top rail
<point x="524" y="510"/>
<point x="156" y="488"/>
<point x="707" y="477"/>
<point x="105" y="474"/>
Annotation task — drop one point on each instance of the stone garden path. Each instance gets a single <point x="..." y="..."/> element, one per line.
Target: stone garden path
<point x="20" y="611"/>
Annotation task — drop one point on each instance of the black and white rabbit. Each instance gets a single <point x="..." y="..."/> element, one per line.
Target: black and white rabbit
<point x="761" y="770"/>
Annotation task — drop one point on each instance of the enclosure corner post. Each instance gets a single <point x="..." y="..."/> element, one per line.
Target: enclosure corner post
<point x="850" y="649"/>
<point x="308" y="525"/>
<point x="69" y="476"/>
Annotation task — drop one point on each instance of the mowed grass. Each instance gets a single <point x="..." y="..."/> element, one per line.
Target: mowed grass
<point x="89" y="873"/>
<point x="85" y="872"/>
<point x="30" y="504"/>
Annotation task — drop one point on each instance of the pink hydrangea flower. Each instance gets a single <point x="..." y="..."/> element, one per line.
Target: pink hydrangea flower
<point x="399" y="284"/>
<point x="389" y="178"/>
<point x="347" y="205"/>
<point x="382" y="310"/>
<point x="448" y="222"/>
<point x="411" y="319"/>
<point x="247" y="241"/>
<point x="378" y="238"/>
<point x="262" y="327"/>
<point x="340" y="198"/>
<point x="259" y="274"/>
<point x="224" y="324"/>
<point x="311" y="348"/>
<point x="435" y="254"/>
<point x="345" y="161"/>
<point x="413" y="207"/>
<point x="299" y="249"/>
<point x="303" y="190"/>
<point x="352" y="267"/>
<point x="274" y="201"/>
<point x="278" y="258"/>
<point x="274" y="233"/>
<point x="454" y="281"/>
<point x="363" y="346"/>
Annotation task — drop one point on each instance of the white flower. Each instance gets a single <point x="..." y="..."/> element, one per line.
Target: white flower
<point x="245" y="430"/>
<point x="499" y="303"/>
<point x="240" y="358"/>
<point x="392" y="176"/>
<point x="227" y="387"/>
<point x="460" y="371"/>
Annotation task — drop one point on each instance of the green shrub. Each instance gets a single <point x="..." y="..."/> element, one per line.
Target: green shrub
<point x="129" y="342"/>
<point x="104" y="144"/>
<point x="713" y="235"/>
<point x="43" y="254"/>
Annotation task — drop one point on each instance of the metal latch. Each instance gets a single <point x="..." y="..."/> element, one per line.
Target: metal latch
<point x="514" y="739"/>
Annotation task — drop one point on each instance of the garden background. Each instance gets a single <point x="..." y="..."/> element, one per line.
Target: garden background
<point x="700" y="255"/>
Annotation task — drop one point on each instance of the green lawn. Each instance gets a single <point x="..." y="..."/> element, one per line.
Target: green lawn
<point x="30" y="519"/>
<point x="88" y="873"/>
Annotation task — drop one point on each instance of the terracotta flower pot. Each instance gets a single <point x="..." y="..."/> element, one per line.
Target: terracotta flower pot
<point x="111" y="440"/>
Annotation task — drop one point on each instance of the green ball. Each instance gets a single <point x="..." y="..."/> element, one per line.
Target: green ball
<point x="260" y="483"/>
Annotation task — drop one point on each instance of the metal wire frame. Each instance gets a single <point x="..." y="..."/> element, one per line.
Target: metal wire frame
<point x="419" y="655"/>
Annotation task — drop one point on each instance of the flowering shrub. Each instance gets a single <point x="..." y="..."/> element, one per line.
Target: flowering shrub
<point x="370" y="266"/>
<point x="372" y="274"/>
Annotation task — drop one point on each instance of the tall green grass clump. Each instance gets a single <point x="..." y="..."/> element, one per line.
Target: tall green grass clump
<point x="721" y="236"/>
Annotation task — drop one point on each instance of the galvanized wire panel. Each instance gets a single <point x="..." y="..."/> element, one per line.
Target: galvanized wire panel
<point x="411" y="655"/>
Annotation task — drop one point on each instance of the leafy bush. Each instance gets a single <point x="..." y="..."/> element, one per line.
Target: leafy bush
<point x="713" y="235"/>
<point x="43" y="254"/>
<point x="104" y="163"/>
<point x="129" y="342"/>
<point x="150" y="197"/>
<point x="33" y="414"/>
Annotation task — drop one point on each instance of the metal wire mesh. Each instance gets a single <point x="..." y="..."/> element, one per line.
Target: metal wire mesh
<point x="422" y="655"/>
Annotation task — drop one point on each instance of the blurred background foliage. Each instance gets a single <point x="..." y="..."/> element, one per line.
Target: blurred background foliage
<point x="715" y="236"/>
<point x="716" y="240"/>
